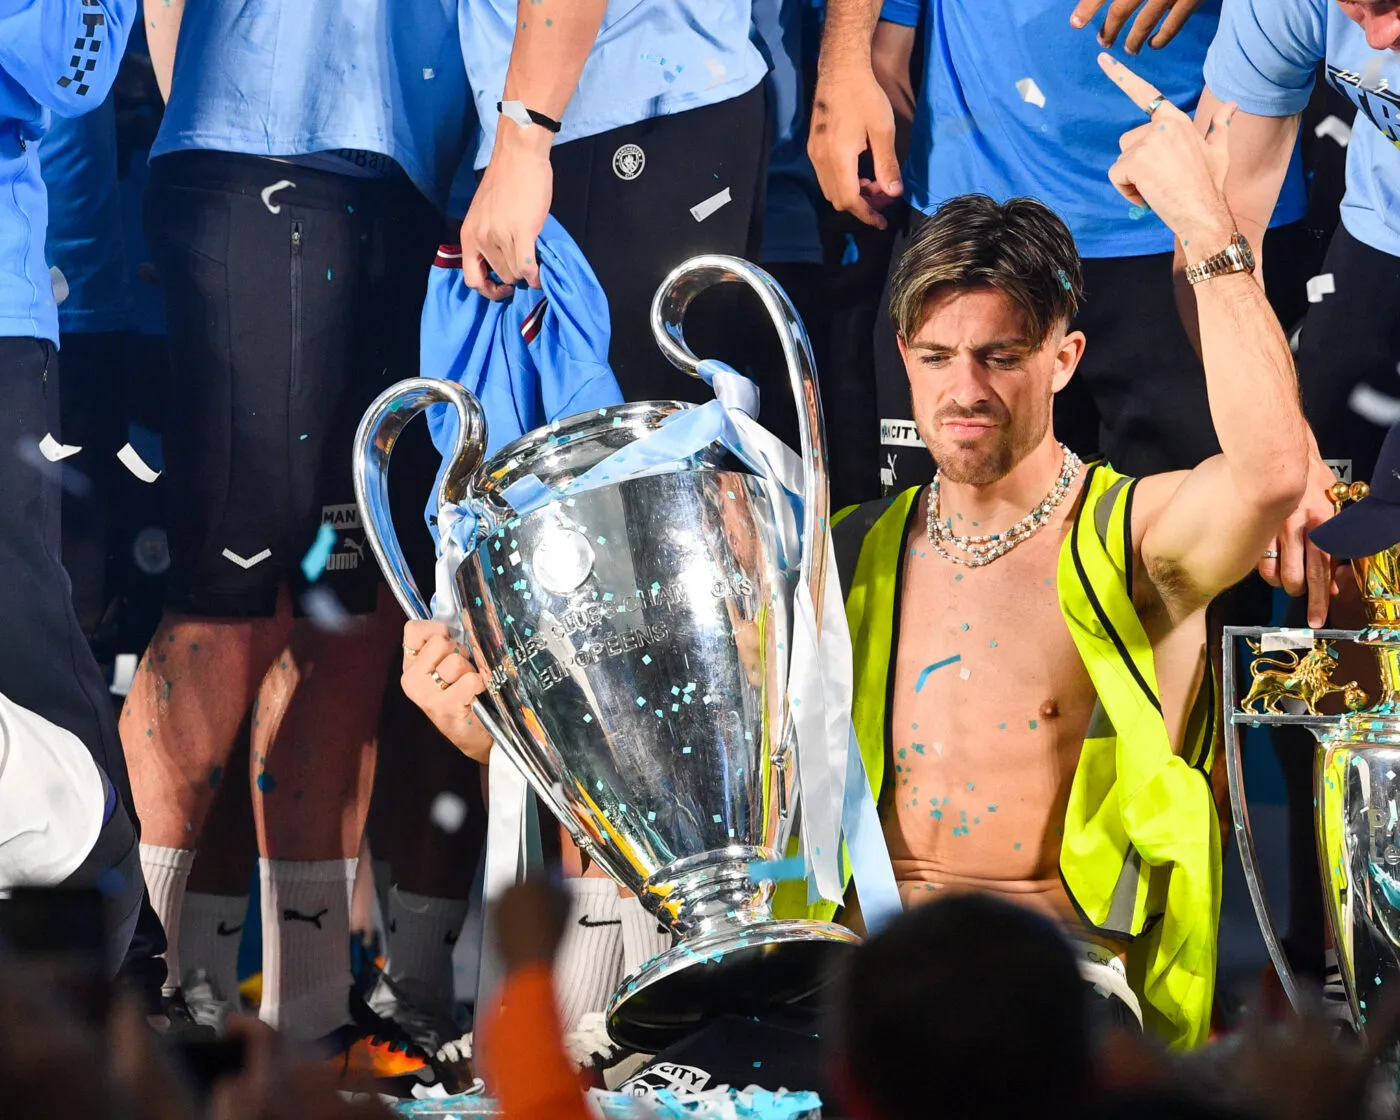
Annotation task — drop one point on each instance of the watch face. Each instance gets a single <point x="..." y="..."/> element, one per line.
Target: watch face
<point x="1246" y="253"/>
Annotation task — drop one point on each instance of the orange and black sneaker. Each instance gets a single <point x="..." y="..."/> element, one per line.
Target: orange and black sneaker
<point x="376" y="1054"/>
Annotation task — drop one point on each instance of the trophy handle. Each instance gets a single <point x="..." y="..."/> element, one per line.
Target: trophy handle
<point x="668" y="307"/>
<point x="374" y="443"/>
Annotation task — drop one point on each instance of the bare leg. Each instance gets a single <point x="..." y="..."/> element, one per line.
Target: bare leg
<point x="314" y="737"/>
<point x="177" y="728"/>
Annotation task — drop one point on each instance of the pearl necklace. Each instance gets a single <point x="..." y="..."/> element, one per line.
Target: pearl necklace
<point x="982" y="550"/>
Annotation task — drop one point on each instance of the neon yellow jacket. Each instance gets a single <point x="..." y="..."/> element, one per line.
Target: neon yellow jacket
<point x="1141" y="856"/>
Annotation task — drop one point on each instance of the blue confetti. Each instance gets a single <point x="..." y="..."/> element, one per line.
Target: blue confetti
<point x="778" y="870"/>
<point x="851" y="253"/>
<point x="319" y="554"/>
<point x="1137" y="213"/>
<point x="919" y="684"/>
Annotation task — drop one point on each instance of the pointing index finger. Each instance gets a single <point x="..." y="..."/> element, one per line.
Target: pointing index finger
<point x="1140" y="90"/>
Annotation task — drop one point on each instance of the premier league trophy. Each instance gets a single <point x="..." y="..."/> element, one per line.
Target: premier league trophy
<point x="1357" y="776"/>
<point x="635" y="637"/>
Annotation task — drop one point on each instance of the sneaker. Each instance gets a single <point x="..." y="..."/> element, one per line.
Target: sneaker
<point x="206" y="1003"/>
<point x="414" y="1009"/>
<point x="172" y="1019"/>
<point x="376" y="1052"/>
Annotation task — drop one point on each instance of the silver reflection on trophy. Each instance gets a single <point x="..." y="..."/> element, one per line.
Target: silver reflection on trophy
<point x="635" y="638"/>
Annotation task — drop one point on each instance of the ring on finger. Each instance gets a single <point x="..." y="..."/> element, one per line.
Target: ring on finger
<point x="1155" y="104"/>
<point x="408" y="649"/>
<point x="436" y="676"/>
<point x="1272" y="554"/>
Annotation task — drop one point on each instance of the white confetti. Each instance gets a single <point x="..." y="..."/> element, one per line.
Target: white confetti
<point x="60" y="284"/>
<point x="327" y="612"/>
<point x="252" y="561"/>
<point x="1377" y="407"/>
<point x="938" y="748"/>
<point x="717" y="72"/>
<point x="449" y="812"/>
<point x="268" y="192"/>
<point x="965" y="673"/>
<point x="1285" y="639"/>
<point x="702" y="210"/>
<point x="1334" y="127"/>
<point x="123" y="673"/>
<point x="1030" y="92"/>
<point x="1320" y="286"/>
<point x="53" y="451"/>
<point x="429" y="73"/>
<point x="131" y="459"/>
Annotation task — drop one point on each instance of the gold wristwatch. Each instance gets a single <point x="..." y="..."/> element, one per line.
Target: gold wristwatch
<point x="1235" y="257"/>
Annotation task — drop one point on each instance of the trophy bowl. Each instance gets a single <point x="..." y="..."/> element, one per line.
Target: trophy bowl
<point x="635" y="638"/>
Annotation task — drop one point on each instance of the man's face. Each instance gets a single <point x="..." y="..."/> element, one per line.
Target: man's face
<point x="1380" y="19"/>
<point x="981" y="388"/>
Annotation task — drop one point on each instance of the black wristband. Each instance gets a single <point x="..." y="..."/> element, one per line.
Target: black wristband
<point x="538" y="118"/>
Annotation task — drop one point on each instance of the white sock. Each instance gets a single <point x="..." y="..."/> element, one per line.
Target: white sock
<point x="211" y="927"/>
<point x="643" y="937"/>
<point x="589" y="964"/>
<point x="419" y="935"/>
<point x="167" y="871"/>
<point x="306" y="945"/>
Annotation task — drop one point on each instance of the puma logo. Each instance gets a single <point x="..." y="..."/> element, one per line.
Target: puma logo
<point x="358" y="546"/>
<point x="224" y="931"/>
<point x="290" y="915"/>
<point x="583" y="921"/>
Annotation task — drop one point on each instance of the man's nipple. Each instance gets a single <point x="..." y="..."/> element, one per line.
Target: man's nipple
<point x="1050" y="709"/>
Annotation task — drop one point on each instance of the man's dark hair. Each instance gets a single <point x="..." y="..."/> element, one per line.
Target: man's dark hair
<point x="965" y="1007"/>
<point x="1019" y="247"/>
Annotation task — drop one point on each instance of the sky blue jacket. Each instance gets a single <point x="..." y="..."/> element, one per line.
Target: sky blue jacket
<point x="56" y="56"/>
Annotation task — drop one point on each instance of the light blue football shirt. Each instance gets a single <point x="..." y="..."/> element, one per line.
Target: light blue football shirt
<point x="1013" y="103"/>
<point x="651" y="58"/>
<point x="1265" y="57"/>
<point x="296" y="77"/>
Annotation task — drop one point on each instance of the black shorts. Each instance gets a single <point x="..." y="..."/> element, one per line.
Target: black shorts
<point x="1349" y="355"/>
<point x="625" y="196"/>
<point x="1138" y="398"/>
<point x="293" y="297"/>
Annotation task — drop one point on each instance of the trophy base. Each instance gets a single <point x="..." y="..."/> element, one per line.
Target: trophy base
<point x="744" y="970"/>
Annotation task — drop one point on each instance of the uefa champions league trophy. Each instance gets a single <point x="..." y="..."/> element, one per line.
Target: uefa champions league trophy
<point x="1356" y="779"/>
<point x="635" y="637"/>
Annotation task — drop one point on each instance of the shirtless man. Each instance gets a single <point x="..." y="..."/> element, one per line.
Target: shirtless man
<point x="1001" y="637"/>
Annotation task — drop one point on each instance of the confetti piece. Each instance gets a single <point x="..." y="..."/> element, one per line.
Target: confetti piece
<point x="429" y="73"/>
<point x="266" y="782"/>
<point x="59" y="283"/>
<point x="717" y="72"/>
<point x="1285" y="639"/>
<point x="937" y="749"/>
<point x="448" y="812"/>
<point x="252" y="561"/>
<point x="965" y="673"/>
<point x="123" y="673"/>
<point x="923" y="676"/>
<point x="778" y="870"/>
<point x="54" y="451"/>
<point x="1319" y="286"/>
<point x="268" y="192"/>
<point x="1334" y="127"/>
<point x="326" y="612"/>
<point x="1379" y="408"/>
<point x="702" y="210"/>
<point x="318" y="555"/>
<point x="851" y="253"/>
<point x="132" y="461"/>
<point x="1030" y="93"/>
<point x="1137" y="213"/>
<point x="965" y="626"/>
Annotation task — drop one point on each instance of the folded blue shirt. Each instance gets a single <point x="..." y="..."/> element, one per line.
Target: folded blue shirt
<point x="537" y="357"/>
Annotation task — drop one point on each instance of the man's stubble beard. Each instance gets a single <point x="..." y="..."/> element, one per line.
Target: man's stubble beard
<point x="984" y="466"/>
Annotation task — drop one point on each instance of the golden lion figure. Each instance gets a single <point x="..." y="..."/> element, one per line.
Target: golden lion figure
<point x="1282" y="675"/>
